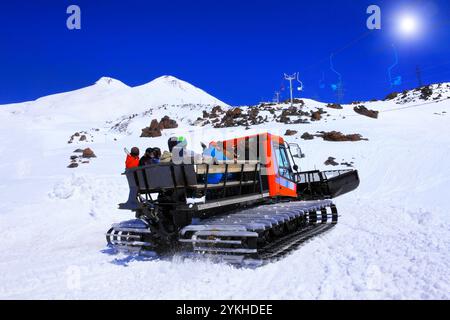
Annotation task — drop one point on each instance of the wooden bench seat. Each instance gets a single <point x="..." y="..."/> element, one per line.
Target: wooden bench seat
<point x="233" y="167"/>
<point x="221" y="184"/>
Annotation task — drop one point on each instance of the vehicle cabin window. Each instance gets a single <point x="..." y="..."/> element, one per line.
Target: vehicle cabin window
<point x="284" y="166"/>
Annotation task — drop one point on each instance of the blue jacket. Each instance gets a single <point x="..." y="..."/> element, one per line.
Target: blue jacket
<point x="212" y="152"/>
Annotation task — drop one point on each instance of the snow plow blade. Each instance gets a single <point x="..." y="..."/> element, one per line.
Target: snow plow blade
<point x="316" y="184"/>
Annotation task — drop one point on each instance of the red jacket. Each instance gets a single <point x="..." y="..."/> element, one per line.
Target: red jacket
<point x="131" y="162"/>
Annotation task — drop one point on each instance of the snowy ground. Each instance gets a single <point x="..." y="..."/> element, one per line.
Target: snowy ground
<point x="393" y="239"/>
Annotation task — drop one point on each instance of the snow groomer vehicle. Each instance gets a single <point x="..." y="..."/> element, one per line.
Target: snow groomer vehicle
<point x="251" y="204"/>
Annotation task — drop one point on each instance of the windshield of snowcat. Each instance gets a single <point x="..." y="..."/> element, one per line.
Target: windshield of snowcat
<point x="284" y="165"/>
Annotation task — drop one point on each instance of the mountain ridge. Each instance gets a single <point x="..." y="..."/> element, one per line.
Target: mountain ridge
<point x="109" y="98"/>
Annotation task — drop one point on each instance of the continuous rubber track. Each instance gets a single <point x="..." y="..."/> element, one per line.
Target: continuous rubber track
<point x="216" y="238"/>
<point x="291" y="242"/>
<point x="250" y="237"/>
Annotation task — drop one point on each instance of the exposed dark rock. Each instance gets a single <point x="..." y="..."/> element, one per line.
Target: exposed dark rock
<point x="366" y="112"/>
<point x="78" y="151"/>
<point x="72" y="165"/>
<point x="217" y="110"/>
<point x="227" y="122"/>
<point x="167" y="123"/>
<point x="331" y="162"/>
<point x="81" y="136"/>
<point x="234" y="113"/>
<point x="154" y="130"/>
<point x="339" y="136"/>
<point x="88" y="153"/>
<point x="307" y="136"/>
<point x="316" y="116"/>
<point x="347" y="164"/>
<point x="73" y="157"/>
<point x="335" y="106"/>
<point x="253" y="113"/>
<point x="391" y="96"/>
<point x="426" y="92"/>
<point x="295" y="101"/>
<point x="263" y="105"/>
<point x="293" y="111"/>
<point x="237" y="117"/>
<point x="284" y="119"/>
<point x="290" y="132"/>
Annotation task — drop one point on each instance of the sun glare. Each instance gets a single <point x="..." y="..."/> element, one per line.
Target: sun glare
<point x="408" y="25"/>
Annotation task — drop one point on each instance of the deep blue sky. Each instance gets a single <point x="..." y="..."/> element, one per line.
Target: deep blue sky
<point x="234" y="50"/>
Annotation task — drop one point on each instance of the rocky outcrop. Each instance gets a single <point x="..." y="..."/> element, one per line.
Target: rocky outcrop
<point x="362" y="110"/>
<point x="88" y="153"/>
<point x="294" y="101"/>
<point x="155" y="128"/>
<point x="334" y="106"/>
<point x="307" y="136"/>
<point x="234" y="117"/>
<point x="77" y="159"/>
<point x="167" y="123"/>
<point x="260" y="114"/>
<point x="347" y="164"/>
<point x="290" y="132"/>
<point x="426" y="92"/>
<point x="391" y="96"/>
<point x="152" y="131"/>
<point x="331" y="162"/>
<point x="339" y="136"/>
<point x="293" y="115"/>
<point x="316" y="116"/>
<point x="81" y="136"/>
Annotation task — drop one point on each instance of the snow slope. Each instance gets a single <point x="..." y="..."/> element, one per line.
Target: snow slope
<point x="108" y="99"/>
<point x="392" y="240"/>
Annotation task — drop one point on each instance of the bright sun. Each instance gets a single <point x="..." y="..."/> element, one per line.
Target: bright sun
<point x="408" y="25"/>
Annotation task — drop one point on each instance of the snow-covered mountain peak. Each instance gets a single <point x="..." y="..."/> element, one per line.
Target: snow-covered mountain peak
<point x="169" y="90"/>
<point x="167" y="81"/>
<point x="109" y="99"/>
<point x="111" y="83"/>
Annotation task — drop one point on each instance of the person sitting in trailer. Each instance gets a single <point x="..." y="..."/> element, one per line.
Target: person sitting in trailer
<point x="166" y="157"/>
<point x="156" y="155"/>
<point x="180" y="152"/>
<point x="214" y="154"/>
<point x="132" y="160"/>
<point x="147" y="158"/>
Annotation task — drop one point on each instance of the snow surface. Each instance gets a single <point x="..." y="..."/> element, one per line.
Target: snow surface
<point x="392" y="241"/>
